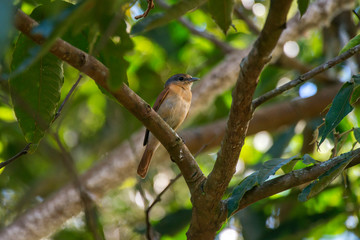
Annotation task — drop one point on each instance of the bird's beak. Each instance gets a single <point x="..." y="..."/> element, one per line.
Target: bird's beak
<point x="193" y="79"/>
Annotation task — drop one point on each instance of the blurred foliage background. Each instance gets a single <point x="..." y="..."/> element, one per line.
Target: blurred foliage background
<point x="91" y="125"/>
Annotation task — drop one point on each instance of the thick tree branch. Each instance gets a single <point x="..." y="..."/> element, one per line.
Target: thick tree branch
<point x="132" y="102"/>
<point x="120" y="163"/>
<point x="241" y="109"/>
<point x="208" y="209"/>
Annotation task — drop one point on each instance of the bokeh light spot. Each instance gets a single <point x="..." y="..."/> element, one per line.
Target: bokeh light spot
<point x="291" y="49"/>
<point x="307" y="90"/>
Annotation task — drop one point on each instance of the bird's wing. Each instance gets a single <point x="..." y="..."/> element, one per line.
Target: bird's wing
<point x="156" y="107"/>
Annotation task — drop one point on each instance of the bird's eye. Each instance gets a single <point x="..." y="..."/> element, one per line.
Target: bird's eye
<point x="181" y="78"/>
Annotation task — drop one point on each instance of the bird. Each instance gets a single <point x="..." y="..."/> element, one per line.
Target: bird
<point x="173" y="105"/>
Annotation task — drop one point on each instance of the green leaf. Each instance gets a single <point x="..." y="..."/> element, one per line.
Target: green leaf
<point x="259" y="177"/>
<point x="352" y="43"/>
<point x="35" y="92"/>
<point x="339" y="109"/>
<point x="303" y="6"/>
<point x="55" y="19"/>
<point x="245" y="185"/>
<point x="270" y="167"/>
<point x="357" y="134"/>
<point x="113" y="58"/>
<point x="307" y="159"/>
<point x="221" y="12"/>
<point x="174" y="12"/>
<point x="324" y="180"/>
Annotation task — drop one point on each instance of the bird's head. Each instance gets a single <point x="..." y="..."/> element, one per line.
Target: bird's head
<point x="181" y="79"/>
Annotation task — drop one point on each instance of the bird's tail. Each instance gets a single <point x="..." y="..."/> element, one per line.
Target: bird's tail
<point x="145" y="162"/>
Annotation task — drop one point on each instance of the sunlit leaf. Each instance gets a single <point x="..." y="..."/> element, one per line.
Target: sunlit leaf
<point x="35" y="92"/>
<point x="303" y="6"/>
<point x="156" y="20"/>
<point x="221" y="12"/>
<point x="352" y="43"/>
<point x="339" y="109"/>
<point x="324" y="180"/>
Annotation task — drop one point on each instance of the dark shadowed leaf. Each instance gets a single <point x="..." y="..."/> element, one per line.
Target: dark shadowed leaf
<point x="221" y="12"/>
<point x="35" y="92"/>
<point x="257" y="178"/>
<point x="325" y="179"/>
<point x="175" y="11"/>
<point x="113" y="57"/>
<point x="339" y="109"/>
<point x="302" y="6"/>
<point x="357" y="134"/>
<point x="306" y="159"/>
<point x="55" y="18"/>
<point x="352" y="43"/>
<point x="245" y="185"/>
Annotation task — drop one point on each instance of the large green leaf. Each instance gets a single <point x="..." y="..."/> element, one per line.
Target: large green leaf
<point x="175" y="11"/>
<point x="339" y="109"/>
<point x="221" y="12"/>
<point x="325" y="179"/>
<point x="54" y="18"/>
<point x="35" y="92"/>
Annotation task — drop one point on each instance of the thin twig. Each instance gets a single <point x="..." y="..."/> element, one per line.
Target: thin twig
<point x="67" y="97"/>
<point x="226" y="48"/>
<point x="304" y="77"/>
<point x="19" y="154"/>
<point x="89" y="204"/>
<point x="149" y="7"/>
<point x="252" y="27"/>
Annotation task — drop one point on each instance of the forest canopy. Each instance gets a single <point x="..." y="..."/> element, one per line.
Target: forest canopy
<point x="268" y="150"/>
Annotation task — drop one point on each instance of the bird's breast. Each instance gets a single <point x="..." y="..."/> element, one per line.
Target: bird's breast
<point x="175" y="107"/>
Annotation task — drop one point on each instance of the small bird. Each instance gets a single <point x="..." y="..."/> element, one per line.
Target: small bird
<point x="172" y="105"/>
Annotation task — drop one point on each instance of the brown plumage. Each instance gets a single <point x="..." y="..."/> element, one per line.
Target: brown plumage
<point x="173" y="105"/>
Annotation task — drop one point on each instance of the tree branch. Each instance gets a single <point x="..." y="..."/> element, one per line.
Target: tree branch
<point x="208" y="209"/>
<point x="241" y="110"/>
<point x="223" y="77"/>
<point x="19" y="154"/>
<point x="306" y="76"/>
<point x="294" y="178"/>
<point x="120" y="163"/>
<point x="132" y="102"/>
